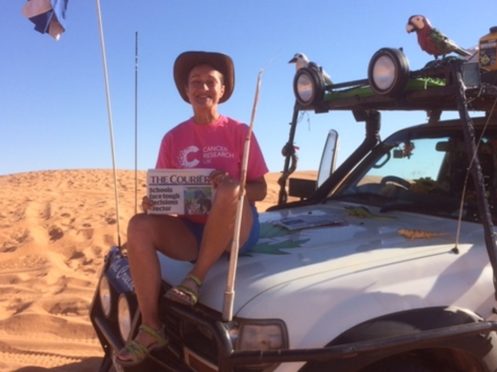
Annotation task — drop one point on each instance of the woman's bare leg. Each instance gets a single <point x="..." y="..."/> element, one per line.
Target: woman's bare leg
<point x="146" y="235"/>
<point x="218" y="231"/>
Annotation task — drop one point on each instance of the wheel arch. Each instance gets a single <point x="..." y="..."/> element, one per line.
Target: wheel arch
<point x="405" y="322"/>
<point x="475" y="351"/>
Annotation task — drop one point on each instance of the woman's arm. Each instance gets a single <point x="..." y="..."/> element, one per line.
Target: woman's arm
<point x="256" y="190"/>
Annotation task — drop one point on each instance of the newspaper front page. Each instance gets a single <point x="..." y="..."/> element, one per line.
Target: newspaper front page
<point x="180" y="191"/>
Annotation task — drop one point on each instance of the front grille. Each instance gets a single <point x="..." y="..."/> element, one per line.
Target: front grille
<point x="197" y="363"/>
<point x="192" y="329"/>
<point x="200" y="340"/>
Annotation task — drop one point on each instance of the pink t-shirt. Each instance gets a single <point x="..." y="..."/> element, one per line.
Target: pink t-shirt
<point x="218" y="145"/>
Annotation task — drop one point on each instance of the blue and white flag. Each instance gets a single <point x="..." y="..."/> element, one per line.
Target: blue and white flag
<point x="47" y="15"/>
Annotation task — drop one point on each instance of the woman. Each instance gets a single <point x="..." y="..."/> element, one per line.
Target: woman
<point x="207" y="140"/>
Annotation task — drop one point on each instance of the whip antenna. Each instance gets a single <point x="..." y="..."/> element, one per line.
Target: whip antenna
<point x="229" y="294"/>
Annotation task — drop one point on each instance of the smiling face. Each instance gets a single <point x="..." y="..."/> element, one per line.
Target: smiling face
<point x="205" y="88"/>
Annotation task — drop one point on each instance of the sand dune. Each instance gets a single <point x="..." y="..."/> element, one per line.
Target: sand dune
<point x="55" y="228"/>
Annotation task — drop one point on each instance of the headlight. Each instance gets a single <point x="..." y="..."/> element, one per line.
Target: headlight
<point x="308" y="87"/>
<point x="262" y="335"/>
<point x="388" y="71"/>
<point x="124" y="316"/>
<point x="105" y="296"/>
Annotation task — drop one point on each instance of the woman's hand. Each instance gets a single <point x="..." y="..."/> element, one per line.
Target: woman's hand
<point x="219" y="177"/>
<point x="147" y="204"/>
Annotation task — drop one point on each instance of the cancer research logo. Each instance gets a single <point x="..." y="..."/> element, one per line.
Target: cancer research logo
<point x="185" y="154"/>
<point x="192" y="156"/>
<point x="216" y="152"/>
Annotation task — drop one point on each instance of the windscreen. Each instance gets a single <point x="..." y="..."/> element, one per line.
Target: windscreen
<point x="424" y="174"/>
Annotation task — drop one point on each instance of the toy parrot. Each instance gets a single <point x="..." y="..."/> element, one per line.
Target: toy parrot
<point x="301" y="60"/>
<point x="431" y="40"/>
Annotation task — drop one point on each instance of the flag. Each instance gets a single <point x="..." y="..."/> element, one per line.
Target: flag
<point x="47" y="15"/>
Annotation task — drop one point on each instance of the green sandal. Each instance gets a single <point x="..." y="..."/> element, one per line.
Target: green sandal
<point x="187" y="292"/>
<point x="138" y="352"/>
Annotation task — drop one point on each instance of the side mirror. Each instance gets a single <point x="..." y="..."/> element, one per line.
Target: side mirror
<point x="304" y="188"/>
<point x="301" y="188"/>
<point x="328" y="157"/>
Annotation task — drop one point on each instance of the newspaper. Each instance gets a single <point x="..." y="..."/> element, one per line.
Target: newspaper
<point x="180" y="191"/>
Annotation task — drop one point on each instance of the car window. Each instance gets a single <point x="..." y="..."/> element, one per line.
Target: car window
<point x="424" y="175"/>
<point x="410" y="160"/>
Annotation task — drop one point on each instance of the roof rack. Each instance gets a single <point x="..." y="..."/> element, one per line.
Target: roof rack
<point x="432" y="88"/>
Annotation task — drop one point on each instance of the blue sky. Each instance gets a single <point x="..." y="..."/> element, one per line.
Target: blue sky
<point x="52" y="98"/>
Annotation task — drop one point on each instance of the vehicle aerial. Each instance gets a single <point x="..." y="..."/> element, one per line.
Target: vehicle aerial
<point x="386" y="263"/>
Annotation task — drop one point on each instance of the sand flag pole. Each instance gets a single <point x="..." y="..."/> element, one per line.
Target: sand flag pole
<point x="109" y="116"/>
<point x="136" y="122"/>
<point x="229" y="294"/>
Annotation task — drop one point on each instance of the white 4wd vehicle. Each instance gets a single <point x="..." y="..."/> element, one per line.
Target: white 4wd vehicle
<point x="388" y="265"/>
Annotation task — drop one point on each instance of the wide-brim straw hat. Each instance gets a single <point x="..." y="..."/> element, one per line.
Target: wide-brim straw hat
<point x="219" y="61"/>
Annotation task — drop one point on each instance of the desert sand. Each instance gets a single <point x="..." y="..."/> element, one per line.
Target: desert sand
<point x="55" y="229"/>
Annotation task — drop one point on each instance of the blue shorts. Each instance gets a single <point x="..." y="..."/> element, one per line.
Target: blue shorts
<point x="197" y="230"/>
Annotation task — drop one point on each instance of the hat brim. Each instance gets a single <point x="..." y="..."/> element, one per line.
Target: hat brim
<point x="188" y="60"/>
